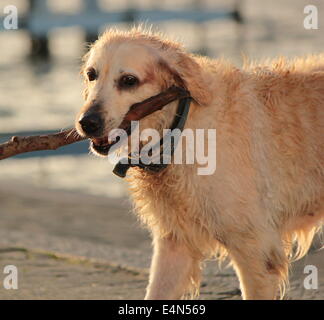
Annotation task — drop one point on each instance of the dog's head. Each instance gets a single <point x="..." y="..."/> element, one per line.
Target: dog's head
<point x="122" y="69"/>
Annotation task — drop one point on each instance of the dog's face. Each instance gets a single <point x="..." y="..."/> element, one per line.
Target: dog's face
<point x="119" y="74"/>
<point x="116" y="77"/>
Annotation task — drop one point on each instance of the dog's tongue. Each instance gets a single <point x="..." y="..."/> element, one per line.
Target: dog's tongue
<point x="100" y="141"/>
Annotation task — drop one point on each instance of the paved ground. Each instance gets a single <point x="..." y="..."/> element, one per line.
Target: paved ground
<point x="72" y="246"/>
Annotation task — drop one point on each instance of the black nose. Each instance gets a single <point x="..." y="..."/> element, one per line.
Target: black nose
<point x="91" y="123"/>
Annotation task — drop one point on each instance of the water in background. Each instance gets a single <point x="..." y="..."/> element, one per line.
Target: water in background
<point x="46" y="96"/>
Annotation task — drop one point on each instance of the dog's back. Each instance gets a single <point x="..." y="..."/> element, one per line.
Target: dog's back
<point x="290" y="126"/>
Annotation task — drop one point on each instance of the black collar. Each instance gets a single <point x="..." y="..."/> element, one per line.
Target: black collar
<point x="178" y="123"/>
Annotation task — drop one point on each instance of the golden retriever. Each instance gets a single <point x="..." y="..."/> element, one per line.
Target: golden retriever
<point x="265" y="201"/>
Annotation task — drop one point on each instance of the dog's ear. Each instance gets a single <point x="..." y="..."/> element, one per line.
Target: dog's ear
<point x="187" y="73"/>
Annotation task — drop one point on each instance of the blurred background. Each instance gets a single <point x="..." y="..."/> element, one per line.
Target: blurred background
<point x="67" y="200"/>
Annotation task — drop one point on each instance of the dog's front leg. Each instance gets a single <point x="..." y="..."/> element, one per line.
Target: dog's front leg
<point x="173" y="271"/>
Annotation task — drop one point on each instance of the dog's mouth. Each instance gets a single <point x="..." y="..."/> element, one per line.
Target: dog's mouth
<point x="103" y="145"/>
<point x="138" y="111"/>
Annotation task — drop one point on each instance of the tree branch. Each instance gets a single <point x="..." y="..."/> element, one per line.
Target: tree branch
<point x="17" y="145"/>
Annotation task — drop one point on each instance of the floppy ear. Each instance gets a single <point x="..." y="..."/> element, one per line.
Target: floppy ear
<point x="188" y="73"/>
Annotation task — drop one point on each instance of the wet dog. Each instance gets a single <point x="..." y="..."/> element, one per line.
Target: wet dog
<point x="264" y="202"/>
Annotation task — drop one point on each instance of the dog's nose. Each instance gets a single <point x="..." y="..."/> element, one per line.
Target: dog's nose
<point x="91" y="123"/>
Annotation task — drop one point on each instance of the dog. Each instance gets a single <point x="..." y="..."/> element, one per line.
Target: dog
<point x="264" y="203"/>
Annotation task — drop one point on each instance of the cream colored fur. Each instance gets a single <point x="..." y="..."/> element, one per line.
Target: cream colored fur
<point x="266" y="198"/>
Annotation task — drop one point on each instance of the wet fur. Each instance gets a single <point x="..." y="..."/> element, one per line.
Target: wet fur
<point x="265" y="201"/>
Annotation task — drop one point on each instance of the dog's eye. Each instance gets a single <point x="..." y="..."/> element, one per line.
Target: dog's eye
<point x="92" y="74"/>
<point x="127" y="81"/>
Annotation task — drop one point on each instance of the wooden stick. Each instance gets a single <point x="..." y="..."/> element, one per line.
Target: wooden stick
<point x="142" y="109"/>
<point x="17" y="145"/>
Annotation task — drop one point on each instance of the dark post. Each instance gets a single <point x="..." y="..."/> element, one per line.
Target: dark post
<point x="91" y="6"/>
<point x="39" y="43"/>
